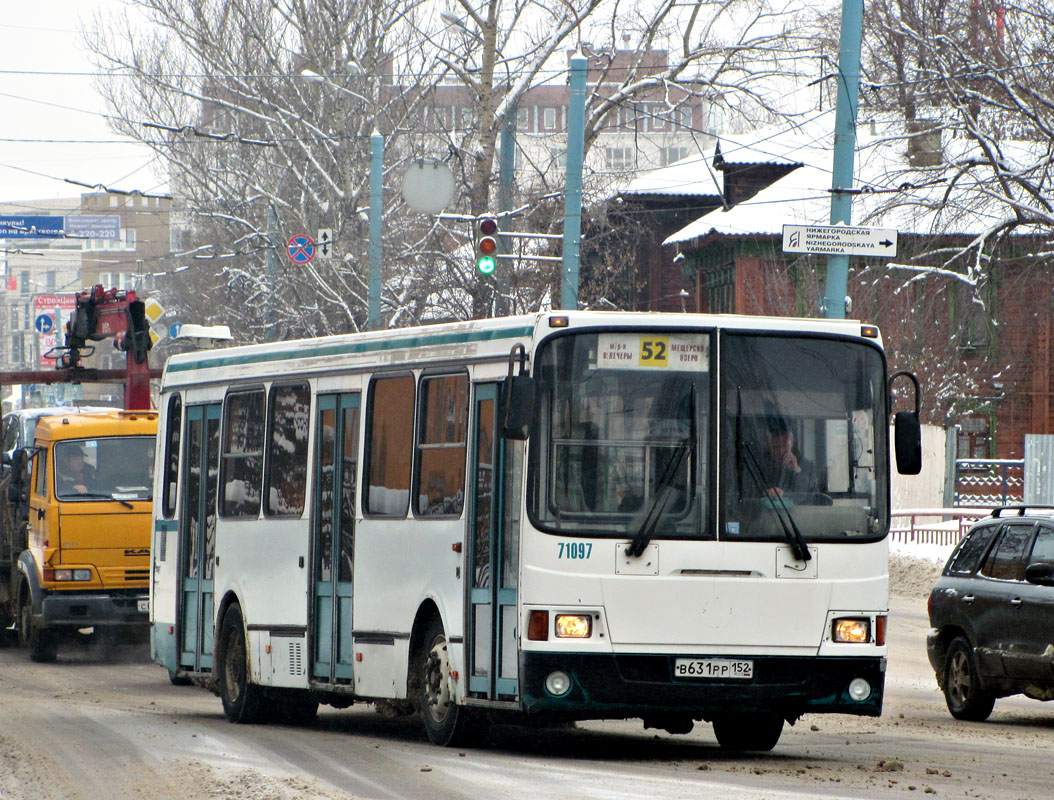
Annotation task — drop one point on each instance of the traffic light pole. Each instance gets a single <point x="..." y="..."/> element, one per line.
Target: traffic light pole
<point x="506" y="167"/>
<point x="844" y="150"/>
<point x="576" y="123"/>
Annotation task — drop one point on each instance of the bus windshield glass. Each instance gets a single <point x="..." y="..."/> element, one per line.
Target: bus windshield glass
<point x="622" y="442"/>
<point x="804" y="439"/>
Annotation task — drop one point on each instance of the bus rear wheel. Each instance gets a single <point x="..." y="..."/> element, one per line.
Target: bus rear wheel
<point x="446" y="723"/>
<point x="243" y="702"/>
<point x="758" y="731"/>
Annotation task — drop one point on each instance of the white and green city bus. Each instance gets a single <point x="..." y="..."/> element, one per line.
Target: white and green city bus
<point x="561" y="516"/>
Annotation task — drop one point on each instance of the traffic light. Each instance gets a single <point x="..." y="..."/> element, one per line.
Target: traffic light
<point x="487" y="245"/>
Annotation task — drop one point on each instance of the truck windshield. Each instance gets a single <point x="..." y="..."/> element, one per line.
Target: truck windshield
<point x="622" y="437"/>
<point x="804" y="439"/>
<point x="113" y="467"/>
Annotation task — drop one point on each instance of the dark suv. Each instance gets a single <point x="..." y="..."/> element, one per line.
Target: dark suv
<point x="992" y="613"/>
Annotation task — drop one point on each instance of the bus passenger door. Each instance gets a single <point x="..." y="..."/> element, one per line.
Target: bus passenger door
<point x="198" y="536"/>
<point x="334" y="535"/>
<point x="493" y="554"/>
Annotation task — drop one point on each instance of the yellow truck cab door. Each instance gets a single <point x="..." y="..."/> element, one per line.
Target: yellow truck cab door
<point x="40" y="503"/>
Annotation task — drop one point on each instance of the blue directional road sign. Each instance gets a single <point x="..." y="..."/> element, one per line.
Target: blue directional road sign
<point x="44" y="323"/>
<point x="300" y="249"/>
<point x="173" y="329"/>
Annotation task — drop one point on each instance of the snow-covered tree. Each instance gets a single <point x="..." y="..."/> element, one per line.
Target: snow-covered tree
<point x="263" y="111"/>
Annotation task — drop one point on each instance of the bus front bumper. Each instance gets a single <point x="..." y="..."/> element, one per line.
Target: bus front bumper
<point x="620" y="686"/>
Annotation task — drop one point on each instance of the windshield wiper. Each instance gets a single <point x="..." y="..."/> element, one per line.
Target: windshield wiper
<point x="790" y="527"/>
<point x="663" y="495"/>
<point x="95" y="496"/>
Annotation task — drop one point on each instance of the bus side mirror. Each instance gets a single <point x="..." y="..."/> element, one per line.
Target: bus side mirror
<point x="518" y="404"/>
<point x="907" y="439"/>
<point x="907" y="430"/>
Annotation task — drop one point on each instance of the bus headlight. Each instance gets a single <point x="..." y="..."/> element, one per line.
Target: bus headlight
<point x="853" y="630"/>
<point x="573" y="626"/>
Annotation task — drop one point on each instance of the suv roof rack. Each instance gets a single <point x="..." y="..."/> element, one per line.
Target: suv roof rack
<point x="1020" y="509"/>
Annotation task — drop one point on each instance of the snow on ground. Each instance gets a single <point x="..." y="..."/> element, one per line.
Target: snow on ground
<point x="914" y="567"/>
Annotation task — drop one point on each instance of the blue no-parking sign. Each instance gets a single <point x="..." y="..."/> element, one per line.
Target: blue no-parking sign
<point x="300" y="249"/>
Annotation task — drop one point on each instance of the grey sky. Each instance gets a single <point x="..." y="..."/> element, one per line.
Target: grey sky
<point x="51" y="119"/>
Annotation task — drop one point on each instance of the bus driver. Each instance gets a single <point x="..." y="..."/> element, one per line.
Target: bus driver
<point x="783" y="469"/>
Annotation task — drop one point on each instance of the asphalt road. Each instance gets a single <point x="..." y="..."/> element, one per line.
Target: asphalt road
<point x="107" y="725"/>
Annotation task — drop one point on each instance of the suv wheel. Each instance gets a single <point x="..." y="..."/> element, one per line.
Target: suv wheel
<point x="962" y="685"/>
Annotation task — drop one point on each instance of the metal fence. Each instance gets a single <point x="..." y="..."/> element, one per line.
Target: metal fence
<point x="939" y="526"/>
<point x="989" y="481"/>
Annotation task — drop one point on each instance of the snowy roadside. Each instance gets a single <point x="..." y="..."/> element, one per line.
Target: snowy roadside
<point x="913" y="568"/>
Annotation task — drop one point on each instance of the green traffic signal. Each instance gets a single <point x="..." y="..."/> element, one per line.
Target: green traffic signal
<point x="487" y="245"/>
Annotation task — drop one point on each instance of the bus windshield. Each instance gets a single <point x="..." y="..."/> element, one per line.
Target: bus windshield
<point x="803" y="440"/>
<point x="622" y="444"/>
<point x="622" y="440"/>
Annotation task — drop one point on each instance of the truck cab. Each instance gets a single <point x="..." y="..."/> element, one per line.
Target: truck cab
<point x="87" y="564"/>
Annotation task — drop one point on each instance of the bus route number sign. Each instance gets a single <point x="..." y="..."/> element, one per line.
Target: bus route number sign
<point x="653" y="351"/>
<point x="739" y="668"/>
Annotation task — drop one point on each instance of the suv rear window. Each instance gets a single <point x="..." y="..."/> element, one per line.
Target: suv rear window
<point x="971" y="551"/>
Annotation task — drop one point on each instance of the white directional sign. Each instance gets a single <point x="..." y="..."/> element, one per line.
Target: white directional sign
<point x="840" y="240"/>
<point x="325" y="241"/>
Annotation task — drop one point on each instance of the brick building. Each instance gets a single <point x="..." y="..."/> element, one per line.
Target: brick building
<point x="980" y="344"/>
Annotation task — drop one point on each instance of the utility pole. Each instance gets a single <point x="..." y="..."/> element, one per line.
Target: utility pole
<point x="576" y="124"/>
<point x="376" y="207"/>
<point x="848" y="78"/>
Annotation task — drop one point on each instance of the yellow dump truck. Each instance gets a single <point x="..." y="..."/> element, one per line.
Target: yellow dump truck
<point x="85" y="485"/>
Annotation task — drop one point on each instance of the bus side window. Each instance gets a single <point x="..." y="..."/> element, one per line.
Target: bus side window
<point x="290" y="410"/>
<point x="243" y="438"/>
<point x="389" y="443"/>
<point x="174" y="422"/>
<point x="441" y="446"/>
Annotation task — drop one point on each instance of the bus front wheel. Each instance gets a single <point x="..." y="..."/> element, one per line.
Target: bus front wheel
<point x="446" y="723"/>
<point x="243" y="702"/>
<point x="748" y="731"/>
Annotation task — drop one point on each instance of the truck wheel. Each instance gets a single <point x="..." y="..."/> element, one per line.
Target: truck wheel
<point x="446" y="723"/>
<point x="963" y="693"/>
<point x="43" y="647"/>
<point x="243" y="702"/>
<point x="748" y="731"/>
